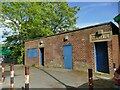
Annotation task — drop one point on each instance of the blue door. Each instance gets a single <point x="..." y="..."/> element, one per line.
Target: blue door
<point x="67" y="51"/>
<point x="101" y="57"/>
<point x="42" y="56"/>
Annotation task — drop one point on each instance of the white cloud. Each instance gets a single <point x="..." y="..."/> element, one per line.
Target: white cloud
<point x="82" y="25"/>
<point x="95" y="5"/>
<point x="90" y="8"/>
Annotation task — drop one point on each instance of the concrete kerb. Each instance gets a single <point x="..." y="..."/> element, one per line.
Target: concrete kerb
<point x="54" y="69"/>
<point x="102" y="75"/>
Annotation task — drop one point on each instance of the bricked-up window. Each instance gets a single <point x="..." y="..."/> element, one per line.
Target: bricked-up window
<point x="32" y="53"/>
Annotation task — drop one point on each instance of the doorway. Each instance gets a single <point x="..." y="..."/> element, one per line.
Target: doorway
<point x="101" y="56"/>
<point x="42" y="56"/>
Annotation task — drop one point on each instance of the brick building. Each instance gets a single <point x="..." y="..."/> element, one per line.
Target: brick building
<point x="95" y="47"/>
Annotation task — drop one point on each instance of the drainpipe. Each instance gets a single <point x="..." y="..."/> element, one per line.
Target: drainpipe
<point x="117" y="19"/>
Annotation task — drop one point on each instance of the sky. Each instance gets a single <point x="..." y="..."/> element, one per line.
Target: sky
<point x="92" y="13"/>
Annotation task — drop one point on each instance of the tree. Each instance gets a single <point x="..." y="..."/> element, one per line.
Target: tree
<point x="28" y="20"/>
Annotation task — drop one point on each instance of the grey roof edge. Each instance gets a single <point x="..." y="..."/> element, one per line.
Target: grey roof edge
<point x="106" y="23"/>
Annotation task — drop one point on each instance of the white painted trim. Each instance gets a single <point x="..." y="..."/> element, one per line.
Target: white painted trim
<point x="95" y="58"/>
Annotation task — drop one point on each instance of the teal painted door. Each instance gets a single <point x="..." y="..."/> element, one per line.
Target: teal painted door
<point x="101" y="55"/>
<point x="42" y="56"/>
<point x="67" y="51"/>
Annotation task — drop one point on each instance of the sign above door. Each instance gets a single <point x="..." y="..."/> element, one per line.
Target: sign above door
<point x="100" y="36"/>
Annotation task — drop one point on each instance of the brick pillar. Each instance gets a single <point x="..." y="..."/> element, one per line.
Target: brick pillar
<point x="117" y="19"/>
<point x="115" y="51"/>
<point x="119" y="24"/>
<point x="119" y="43"/>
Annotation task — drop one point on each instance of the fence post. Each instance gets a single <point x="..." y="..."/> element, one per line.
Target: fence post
<point x="11" y="76"/>
<point x="26" y="78"/>
<point x="90" y="76"/>
<point x="3" y="71"/>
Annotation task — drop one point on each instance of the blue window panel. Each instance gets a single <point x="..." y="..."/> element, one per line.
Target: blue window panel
<point x="32" y="53"/>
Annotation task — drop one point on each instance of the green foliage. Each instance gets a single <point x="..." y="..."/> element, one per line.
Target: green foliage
<point x="28" y="20"/>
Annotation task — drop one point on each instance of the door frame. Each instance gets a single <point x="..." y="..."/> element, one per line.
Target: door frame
<point x="95" y="58"/>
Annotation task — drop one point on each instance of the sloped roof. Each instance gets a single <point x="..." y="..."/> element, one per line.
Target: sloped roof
<point x="84" y="28"/>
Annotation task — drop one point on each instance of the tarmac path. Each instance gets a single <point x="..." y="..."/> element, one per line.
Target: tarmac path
<point x="52" y="78"/>
<point x="45" y="78"/>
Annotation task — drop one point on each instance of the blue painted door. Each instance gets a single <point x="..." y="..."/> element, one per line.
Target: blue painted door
<point x="42" y="56"/>
<point x="101" y="57"/>
<point x="67" y="51"/>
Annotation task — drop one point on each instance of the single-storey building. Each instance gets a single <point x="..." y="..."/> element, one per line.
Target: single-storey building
<point x="95" y="47"/>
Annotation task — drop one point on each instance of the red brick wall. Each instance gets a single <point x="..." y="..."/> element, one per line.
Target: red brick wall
<point x="83" y="50"/>
<point x="115" y="49"/>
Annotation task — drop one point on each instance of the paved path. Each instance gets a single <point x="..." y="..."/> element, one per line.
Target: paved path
<point x="46" y="78"/>
<point x="52" y="78"/>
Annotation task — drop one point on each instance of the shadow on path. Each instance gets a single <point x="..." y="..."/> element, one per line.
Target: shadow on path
<point x="98" y="84"/>
<point x="67" y="86"/>
<point x="101" y="84"/>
